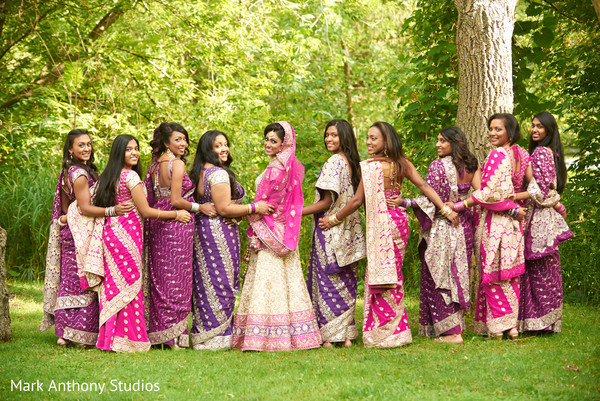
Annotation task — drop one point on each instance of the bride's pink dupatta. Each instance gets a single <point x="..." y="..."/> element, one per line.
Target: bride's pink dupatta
<point x="280" y="186"/>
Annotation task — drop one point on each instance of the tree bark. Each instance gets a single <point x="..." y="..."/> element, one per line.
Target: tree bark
<point x="596" y="4"/>
<point x="5" y="330"/>
<point x="484" y="48"/>
<point x="53" y="70"/>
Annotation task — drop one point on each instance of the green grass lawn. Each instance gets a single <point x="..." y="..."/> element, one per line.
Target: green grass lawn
<point x="558" y="367"/>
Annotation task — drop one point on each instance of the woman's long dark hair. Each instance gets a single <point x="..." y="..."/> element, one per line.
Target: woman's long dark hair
<point x="348" y="146"/>
<point x="511" y="125"/>
<point x="552" y="141"/>
<point x="461" y="155"/>
<point x="162" y="136"/>
<point x="393" y="146"/>
<point x="206" y="154"/>
<point x="109" y="180"/>
<point x="69" y="161"/>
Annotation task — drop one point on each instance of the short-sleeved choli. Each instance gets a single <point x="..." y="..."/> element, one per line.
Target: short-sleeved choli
<point x="128" y="180"/>
<point x="219" y="176"/>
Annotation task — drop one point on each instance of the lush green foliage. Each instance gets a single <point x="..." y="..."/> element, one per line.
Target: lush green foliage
<point x="236" y="66"/>
<point x="562" y="366"/>
<point x="556" y="57"/>
<point x="229" y="66"/>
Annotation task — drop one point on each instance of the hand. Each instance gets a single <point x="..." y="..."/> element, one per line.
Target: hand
<point x="232" y="221"/>
<point x="208" y="209"/>
<point x="450" y="205"/>
<point x="324" y="223"/>
<point x="63" y="219"/>
<point x="453" y="218"/>
<point x="123" y="209"/>
<point x="561" y="209"/>
<point x="264" y="208"/>
<point x="183" y="216"/>
<point x="394" y="201"/>
<point x="522" y="213"/>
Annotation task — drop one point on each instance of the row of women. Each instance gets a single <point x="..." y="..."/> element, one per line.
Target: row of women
<point x="123" y="285"/>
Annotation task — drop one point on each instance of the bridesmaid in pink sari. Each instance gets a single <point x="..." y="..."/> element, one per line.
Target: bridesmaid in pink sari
<point x="122" y="322"/>
<point x="499" y="232"/>
<point x="385" y="320"/>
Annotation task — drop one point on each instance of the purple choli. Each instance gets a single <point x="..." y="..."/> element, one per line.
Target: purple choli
<point x="541" y="290"/>
<point x="75" y="311"/>
<point x="216" y="270"/>
<point x="169" y="279"/>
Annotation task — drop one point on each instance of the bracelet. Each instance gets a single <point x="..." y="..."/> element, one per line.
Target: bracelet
<point x="466" y="204"/>
<point x="459" y="207"/>
<point x="561" y="209"/>
<point x="446" y="211"/>
<point x="110" y="211"/>
<point x="249" y="212"/>
<point x="333" y="220"/>
<point x="195" y="207"/>
<point x="408" y="203"/>
<point x="253" y="208"/>
<point x="158" y="217"/>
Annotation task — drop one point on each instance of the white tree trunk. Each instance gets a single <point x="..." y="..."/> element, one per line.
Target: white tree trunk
<point x="596" y="4"/>
<point x="484" y="46"/>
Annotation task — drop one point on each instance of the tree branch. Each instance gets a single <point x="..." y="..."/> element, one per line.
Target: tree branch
<point x="562" y="13"/>
<point x="596" y="4"/>
<point x="54" y="69"/>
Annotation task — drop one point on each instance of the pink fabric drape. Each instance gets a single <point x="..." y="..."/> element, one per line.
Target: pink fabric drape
<point x="281" y="186"/>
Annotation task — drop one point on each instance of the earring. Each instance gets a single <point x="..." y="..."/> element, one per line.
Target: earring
<point x="385" y="152"/>
<point x="169" y="153"/>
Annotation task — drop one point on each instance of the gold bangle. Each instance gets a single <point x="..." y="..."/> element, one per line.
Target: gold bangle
<point x="158" y="217"/>
<point x="466" y="204"/>
<point x="333" y="220"/>
<point x="249" y="209"/>
<point x="445" y="211"/>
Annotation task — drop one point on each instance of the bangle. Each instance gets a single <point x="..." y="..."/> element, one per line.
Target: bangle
<point x="333" y="220"/>
<point x="158" y="217"/>
<point x="249" y="210"/>
<point x="446" y="211"/>
<point x="466" y="204"/>
<point x="195" y="207"/>
<point x="253" y="208"/>
<point x="110" y="211"/>
<point x="561" y="209"/>
<point x="459" y="207"/>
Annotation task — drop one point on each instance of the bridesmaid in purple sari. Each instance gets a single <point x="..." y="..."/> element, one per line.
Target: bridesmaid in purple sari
<point x="446" y="251"/>
<point x="217" y="242"/>
<point x="122" y="322"/>
<point x="169" y="285"/>
<point x="73" y="311"/>
<point x="540" y="307"/>
<point x="334" y="256"/>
